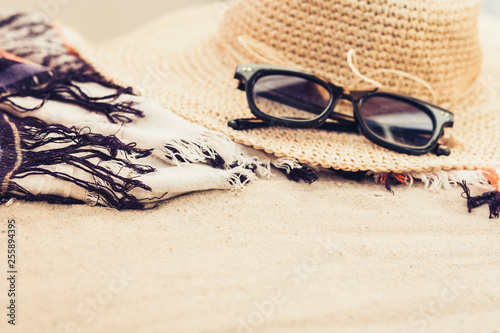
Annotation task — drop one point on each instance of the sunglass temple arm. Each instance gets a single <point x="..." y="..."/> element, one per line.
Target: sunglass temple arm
<point x="252" y="123"/>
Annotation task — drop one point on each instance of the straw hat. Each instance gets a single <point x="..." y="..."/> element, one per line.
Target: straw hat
<point x="427" y="49"/>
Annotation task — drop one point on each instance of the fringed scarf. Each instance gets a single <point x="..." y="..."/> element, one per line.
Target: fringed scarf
<point x="69" y="136"/>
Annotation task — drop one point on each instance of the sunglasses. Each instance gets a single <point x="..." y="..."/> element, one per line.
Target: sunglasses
<point x="280" y="96"/>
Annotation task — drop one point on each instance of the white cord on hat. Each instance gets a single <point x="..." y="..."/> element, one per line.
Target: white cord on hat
<point x="354" y="69"/>
<point x="352" y="66"/>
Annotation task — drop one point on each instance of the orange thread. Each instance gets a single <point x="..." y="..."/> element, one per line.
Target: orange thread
<point x="12" y="57"/>
<point x="383" y="178"/>
<point x="401" y="178"/>
<point x="492" y="176"/>
<point x="66" y="44"/>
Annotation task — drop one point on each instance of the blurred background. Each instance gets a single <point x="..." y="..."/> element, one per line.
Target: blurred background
<point x="492" y="7"/>
<point x="99" y="20"/>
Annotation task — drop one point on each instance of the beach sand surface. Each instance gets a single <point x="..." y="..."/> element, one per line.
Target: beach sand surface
<point x="334" y="256"/>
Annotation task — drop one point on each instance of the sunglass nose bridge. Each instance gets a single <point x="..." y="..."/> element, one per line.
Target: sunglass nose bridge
<point x="442" y="150"/>
<point x="357" y="95"/>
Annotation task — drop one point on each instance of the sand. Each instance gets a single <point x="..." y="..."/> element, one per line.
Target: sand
<point x="334" y="256"/>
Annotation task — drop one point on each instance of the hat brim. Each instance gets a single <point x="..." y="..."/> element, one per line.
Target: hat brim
<point x="177" y="61"/>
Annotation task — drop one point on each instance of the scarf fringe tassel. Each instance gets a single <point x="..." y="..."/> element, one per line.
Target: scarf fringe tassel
<point x="216" y="150"/>
<point x="62" y="88"/>
<point x="485" y="180"/>
<point x="105" y="159"/>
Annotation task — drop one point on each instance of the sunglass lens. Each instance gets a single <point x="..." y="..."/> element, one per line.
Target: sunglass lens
<point x="397" y="122"/>
<point x="290" y="97"/>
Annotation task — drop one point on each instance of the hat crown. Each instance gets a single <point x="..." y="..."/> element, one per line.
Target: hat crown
<point x="412" y="46"/>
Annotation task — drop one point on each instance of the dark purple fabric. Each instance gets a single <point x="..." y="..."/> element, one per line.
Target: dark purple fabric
<point x="7" y="148"/>
<point x="15" y="77"/>
<point x="30" y="80"/>
<point x="33" y="37"/>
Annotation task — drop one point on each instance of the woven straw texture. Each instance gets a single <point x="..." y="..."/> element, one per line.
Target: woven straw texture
<point x="187" y="60"/>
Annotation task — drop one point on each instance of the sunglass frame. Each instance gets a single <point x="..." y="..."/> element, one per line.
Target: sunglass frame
<point x="249" y="74"/>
